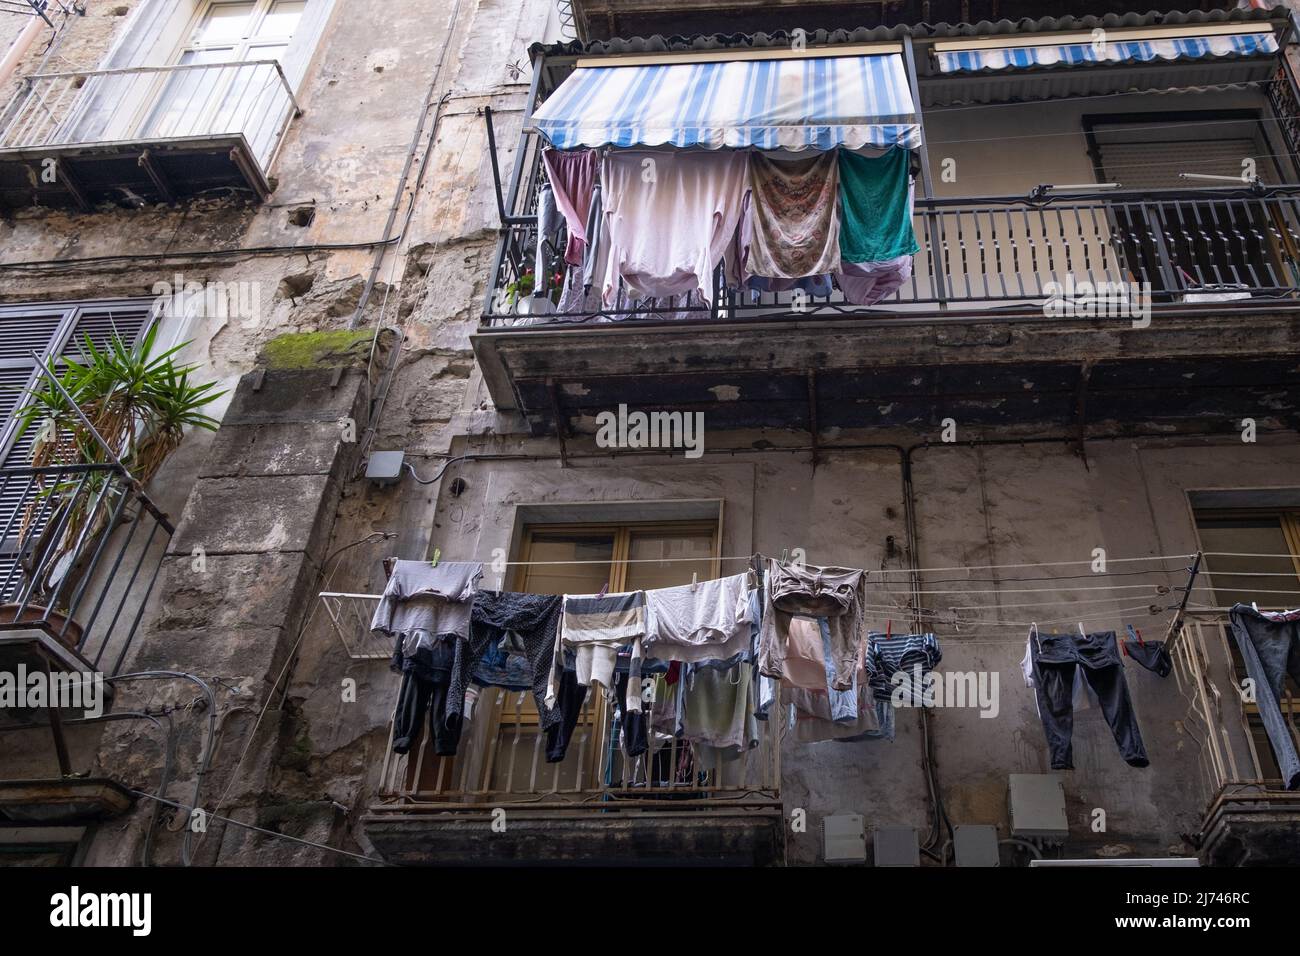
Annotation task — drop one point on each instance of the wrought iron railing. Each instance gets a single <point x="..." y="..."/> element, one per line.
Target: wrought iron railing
<point x="1084" y="254"/>
<point x="152" y="103"/>
<point x="502" y="759"/>
<point x="80" y="550"/>
<point x="1221" y="721"/>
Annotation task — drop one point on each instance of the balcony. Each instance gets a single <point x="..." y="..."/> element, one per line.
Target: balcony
<point x="1069" y="307"/>
<point x="606" y="19"/>
<point x="673" y="805"/>
<point x="1250" y="816"/>
<point x="995" y="326"/>
<point x="80" y="550"/>
<point x="143" y="135"/>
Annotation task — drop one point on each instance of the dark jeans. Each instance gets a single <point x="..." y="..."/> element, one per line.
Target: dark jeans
<point x="569" y="697"/>
<point x="1271" y="651"/>
<point x="1055" y="657"/>
<point x="418" y="695"/>
<point x="636" y="728"/>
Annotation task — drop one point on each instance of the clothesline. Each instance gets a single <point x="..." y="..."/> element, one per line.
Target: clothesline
<point x="941" y="619"/>
<point x="494" y="564"/>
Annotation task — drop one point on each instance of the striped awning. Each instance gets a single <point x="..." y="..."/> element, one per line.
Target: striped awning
<point x="1105" y="51"/>
<point x="797" y="103"/>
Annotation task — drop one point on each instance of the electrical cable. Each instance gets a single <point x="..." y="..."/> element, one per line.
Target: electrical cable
<point x="204" y="761"/>
<point x="289" y="659"/>
<point x="271" y="833"/>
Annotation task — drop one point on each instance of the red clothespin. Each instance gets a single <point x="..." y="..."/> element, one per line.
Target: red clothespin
<point x="889" y="629"/>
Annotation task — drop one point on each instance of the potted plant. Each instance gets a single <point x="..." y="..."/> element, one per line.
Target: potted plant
<point x="139" y="405"/>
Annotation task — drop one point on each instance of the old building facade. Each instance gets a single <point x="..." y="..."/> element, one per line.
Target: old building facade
<point x="1077" y="413"/>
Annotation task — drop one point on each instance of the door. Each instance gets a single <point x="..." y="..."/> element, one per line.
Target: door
<point x="219" y="95"/>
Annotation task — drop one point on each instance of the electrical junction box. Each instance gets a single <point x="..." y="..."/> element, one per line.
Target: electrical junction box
<point x="385" y="467"/>
<point x="1037" y="804"/>
<point x="844" y="839"/>
<point x="976" y="845"/>
<point x="897" y="846"/>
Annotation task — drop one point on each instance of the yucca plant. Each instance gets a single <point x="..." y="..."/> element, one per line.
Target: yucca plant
<point x="139" y="404"/>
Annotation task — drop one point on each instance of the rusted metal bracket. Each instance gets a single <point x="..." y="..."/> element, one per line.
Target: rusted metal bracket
<point x="156" y="177"/>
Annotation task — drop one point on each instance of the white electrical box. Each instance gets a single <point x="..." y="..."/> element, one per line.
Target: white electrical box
<point x="844" y="839"/>
<point x="1037" y="804"/>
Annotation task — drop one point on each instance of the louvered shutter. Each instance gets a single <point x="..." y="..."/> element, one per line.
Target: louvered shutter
<point x="55" y="333"/>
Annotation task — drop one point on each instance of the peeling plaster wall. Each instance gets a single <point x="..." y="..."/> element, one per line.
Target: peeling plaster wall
<point x="990" y="505"/>
<point x="314" y="763"/>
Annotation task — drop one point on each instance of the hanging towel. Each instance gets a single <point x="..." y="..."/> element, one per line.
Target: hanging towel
<point x="708" y="621"/>
<point x="866" y="283"/>
<point x="594" y="627"/>
<point x="793" y="227"/>
<point x="669" y="218"/>
<point x="875" y="207"/>
<point x="573" y="177"/>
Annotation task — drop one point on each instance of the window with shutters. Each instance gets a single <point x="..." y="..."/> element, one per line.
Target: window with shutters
<point x="1207" y="243"/>
<point x="54" y="332"/>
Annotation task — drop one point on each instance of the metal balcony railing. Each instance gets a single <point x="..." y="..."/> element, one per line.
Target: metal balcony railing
<point x="502" y="754"/>
<point x="80" y="550"/>
<point x="1081" y="254"/>
<point x="152" y="104"/>
<point x="502" y="760"/>
<point x="1221" y="720"/>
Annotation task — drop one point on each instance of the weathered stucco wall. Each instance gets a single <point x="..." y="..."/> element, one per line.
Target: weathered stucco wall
<point x="313" y="765"/>
<point x="975" y="506"/>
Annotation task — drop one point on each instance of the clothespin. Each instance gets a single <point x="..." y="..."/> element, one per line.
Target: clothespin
<point x="1082" y="632"/>
<point x="785" y="555"/>
<point x="604" y="589"/>
<point x="695" y="580"/>
<point x="437" y="553"/>
<point x="1038" y="640"/>
<point x="889" y="629"/>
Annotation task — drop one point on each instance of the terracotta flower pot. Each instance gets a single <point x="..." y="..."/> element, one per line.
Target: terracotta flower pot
<point x="31" y="616"/>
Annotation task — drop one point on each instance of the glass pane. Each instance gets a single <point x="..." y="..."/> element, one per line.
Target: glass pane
<point x="569" y="578"/>
<point x="224" y="23"/>
<point x="267" y="51"/>
<point x="188" y="95"/>
<point x="661" y="559"/>
<point x="282" y="19"/>
<point x="1248" y="536"/>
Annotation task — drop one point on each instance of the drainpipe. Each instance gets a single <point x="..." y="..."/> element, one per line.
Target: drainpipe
<point x="19" y="49"/>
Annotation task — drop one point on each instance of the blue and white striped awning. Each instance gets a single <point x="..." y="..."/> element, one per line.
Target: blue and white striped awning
<point x="1106" y="51"/>
<point x="809" y="103"/>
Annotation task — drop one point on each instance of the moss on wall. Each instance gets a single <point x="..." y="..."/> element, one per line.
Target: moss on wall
<point x="347" y="348"/>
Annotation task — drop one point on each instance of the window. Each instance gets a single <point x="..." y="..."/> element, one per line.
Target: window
<point x="53" y="332"/>
<point x="226" y="99"/>
<point x="1237" y="541"/>
<point x="1211" y="242"/>
<point x="505" y="748"/>
<point x="1255" y="559"/>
